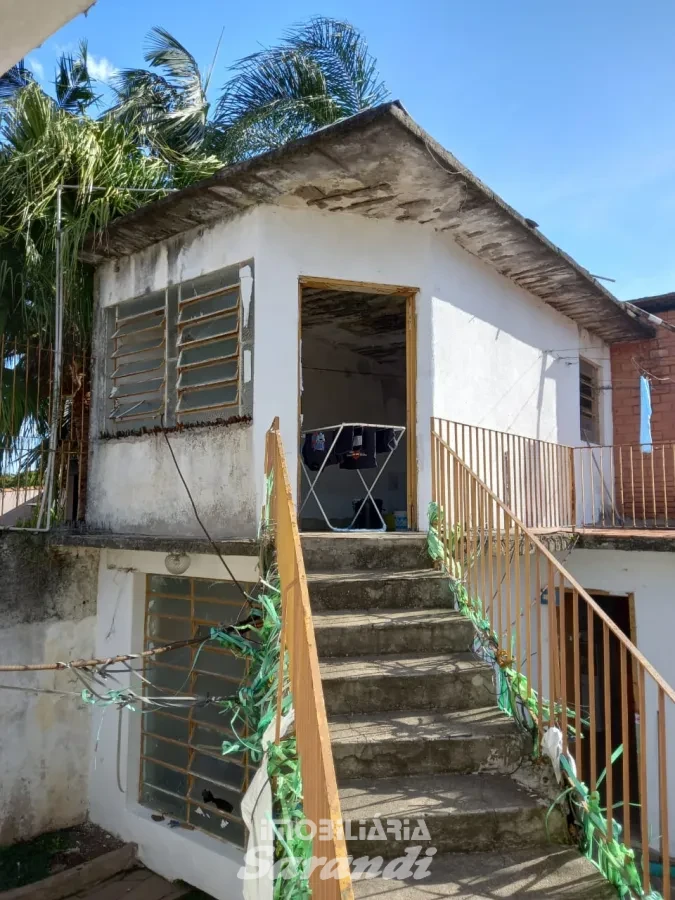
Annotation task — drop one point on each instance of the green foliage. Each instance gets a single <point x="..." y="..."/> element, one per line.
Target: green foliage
<point x="320" y="73"/>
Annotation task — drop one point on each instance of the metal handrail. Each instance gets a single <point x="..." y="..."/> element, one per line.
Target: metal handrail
<point x="595" y="687"/>
<point x="321" y="803"/>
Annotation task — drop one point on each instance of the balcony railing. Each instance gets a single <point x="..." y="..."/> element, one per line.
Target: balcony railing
<point x="561" y="660"/>
<point x="554" y="486"/>
<point x="44" y="423"/>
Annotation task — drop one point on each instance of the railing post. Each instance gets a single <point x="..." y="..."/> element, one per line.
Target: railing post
<point x="572" y="489"/>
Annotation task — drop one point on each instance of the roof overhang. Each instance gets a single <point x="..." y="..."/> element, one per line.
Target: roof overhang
<point x="380" y="164"/>
<point x="27" y="23"/>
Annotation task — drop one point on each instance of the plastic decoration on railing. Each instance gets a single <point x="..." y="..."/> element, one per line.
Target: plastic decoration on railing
<point x="255" y="708"/>
<point x="613" y="858"/>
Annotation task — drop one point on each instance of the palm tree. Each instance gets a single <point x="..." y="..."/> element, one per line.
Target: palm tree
<point x="167" y="108"/>
<point x="52" y="147"/>
<point x="158" y="135"/>
<point x="320" y="73"/>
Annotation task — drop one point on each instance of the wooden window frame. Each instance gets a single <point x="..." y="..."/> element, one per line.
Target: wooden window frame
<point x="590" y="424"/>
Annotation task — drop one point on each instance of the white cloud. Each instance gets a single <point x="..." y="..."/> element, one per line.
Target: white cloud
<point x="36" y="67"/>
<point x="101" y="68"/>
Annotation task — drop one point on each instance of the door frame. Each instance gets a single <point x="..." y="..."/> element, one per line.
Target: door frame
<point x="410" y="294"/>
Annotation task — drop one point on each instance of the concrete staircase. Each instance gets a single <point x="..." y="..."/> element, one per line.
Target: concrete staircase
<point x="416" y="733"/>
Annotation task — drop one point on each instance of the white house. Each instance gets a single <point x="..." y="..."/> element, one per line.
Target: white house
<point x="359" y="275"/>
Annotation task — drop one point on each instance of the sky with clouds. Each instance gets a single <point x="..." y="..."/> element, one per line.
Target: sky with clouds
<point x="565" y="109"/>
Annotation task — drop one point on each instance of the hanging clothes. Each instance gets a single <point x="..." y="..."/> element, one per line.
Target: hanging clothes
<point x="362" y="453"/>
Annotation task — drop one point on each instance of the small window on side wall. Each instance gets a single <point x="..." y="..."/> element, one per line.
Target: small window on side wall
<point x="589" y="401"/>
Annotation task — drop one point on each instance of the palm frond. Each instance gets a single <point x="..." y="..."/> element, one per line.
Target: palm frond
<point x="321" y="73"/>
<point x="73" y="84"/>
<point x="13" y="80"/>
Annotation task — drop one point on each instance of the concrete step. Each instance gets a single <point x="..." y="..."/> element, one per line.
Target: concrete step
<point x="462" y="813"/>
<point x="374" y="684"/>
<point x="533" y="874"/>
<point x="328" y="552"/>
<point x="392" y="631"/>
<point x="365" y="590"/>
<point x="391" y="744"/>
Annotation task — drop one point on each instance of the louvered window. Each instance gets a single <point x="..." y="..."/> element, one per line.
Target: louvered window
<point x="176" y="354"/>
<point x="138" y="394"/>
<point x="208" y="353"/>
<point x="589" y="402"/>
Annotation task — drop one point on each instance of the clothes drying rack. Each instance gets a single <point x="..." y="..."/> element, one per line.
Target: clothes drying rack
<point x="398" y="432"/>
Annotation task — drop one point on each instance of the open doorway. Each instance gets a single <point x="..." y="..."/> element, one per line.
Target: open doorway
<point x="607" y="712"/>
<point x="357" y="407"/>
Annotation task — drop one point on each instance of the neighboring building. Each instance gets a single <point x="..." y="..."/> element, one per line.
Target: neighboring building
<point x="27" y="23"/>
<point x="359" y="275"/>
<point x="654" y="360"/>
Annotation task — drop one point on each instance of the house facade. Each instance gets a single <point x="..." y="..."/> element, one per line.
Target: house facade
<point x="361" y="277"/>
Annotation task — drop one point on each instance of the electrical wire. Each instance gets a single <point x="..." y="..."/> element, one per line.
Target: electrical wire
<point x="197" y="517"/>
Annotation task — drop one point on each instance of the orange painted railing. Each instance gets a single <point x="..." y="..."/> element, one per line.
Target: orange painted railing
<point x="567" y="660"/>
<point x="626" y="485"/>
<point x="320" y="794"/>
<point x="534" y="478"/>
<point x="549" y="485"/>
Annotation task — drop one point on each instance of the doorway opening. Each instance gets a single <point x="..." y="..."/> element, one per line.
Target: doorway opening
<point x="357" y="465"/>
<point x="607" y="713"/>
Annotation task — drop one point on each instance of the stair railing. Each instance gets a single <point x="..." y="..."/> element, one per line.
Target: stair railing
<point x="562" y="661"/>
<point x="300" y="662"/>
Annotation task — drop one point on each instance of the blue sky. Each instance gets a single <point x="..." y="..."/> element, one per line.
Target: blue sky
<point x="565" y="109"/>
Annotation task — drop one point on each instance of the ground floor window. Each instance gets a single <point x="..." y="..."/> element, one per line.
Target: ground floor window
<point x="183" y="774"/>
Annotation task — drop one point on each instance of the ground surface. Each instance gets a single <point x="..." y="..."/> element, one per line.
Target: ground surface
<point x="31" y="861"/>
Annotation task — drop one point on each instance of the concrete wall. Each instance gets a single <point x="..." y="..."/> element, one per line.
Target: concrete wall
<point x="48" y="603"/>
<point x="488" y="352"/>
<point x="134" y="485"/>
<point x="650" y="578"/>
<point x="193" y="856"/>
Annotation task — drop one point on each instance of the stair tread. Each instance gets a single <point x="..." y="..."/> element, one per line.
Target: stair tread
<point x="433" y="795"/>
<point x="419" y="725"/>
<point x="382" y="618"/>
<point x="370" y="575"/>
<point x="534" y="874"/>
<point x="408" y="665"/>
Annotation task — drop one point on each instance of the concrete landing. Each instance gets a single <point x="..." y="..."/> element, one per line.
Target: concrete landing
<point x="550" y="874"/>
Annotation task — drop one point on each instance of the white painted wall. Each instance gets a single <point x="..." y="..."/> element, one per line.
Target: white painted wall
<point x="200" y="860"/>
<point x="488" y="352"/>
<point x="650" y="577"/>
<point x="44" y="737"/>
<point x="133" y="484"/>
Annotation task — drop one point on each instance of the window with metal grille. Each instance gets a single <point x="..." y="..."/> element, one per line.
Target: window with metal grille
<point x="589" y="402"/>
<point x="183" y="772"/>
<point x="176" y="354"/>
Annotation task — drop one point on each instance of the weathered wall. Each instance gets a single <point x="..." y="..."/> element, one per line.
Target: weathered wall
<point x="47" y="613"/>
<point x="488" y="352"/>
<point x="134" y="486"/>
<point x="133" y="483"/>
<point x="193" y="856"/>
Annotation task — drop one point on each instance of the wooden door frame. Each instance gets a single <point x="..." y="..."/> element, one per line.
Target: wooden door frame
<point x="410" y="294"/>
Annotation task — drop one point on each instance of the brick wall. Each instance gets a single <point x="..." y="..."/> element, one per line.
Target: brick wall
<point x="649" y="483"/>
